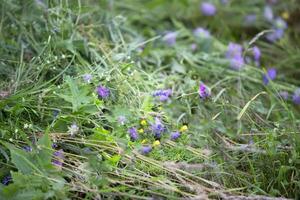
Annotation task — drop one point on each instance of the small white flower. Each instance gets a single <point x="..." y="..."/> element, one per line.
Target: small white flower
<point x="73" y="129"/>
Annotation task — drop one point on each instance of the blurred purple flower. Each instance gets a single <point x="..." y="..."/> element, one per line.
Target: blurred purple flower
<point x="208" y="9"/>
<point x="162" y="95"/>
<point x="250" y="19"/>
<point x="87" y="78"/>
<point x="146" y="149"/>
<point x="256" y="53"/>
<point x="27" y="148"/>
<point x="58" y="158"/>
<point x="235" y="55"/>
<point x="273" y="36"/>
<point x="170" y="38"/>
<point x="237" y="63"/>
<point x="204" y="91"/>
<point x="193" y="47"/>
<point x="122" y="119"/>
<point x="279" y="23"/>
<point x="133" y="133"/>
<point x="157" y="128"/>
<point x="175" y="135"/>
<point x="284" y="95"/>
<point x="103" y="92"/>
<point x="270" y="75"/>
<point x="201" y="32"/>
<point x="268" y="13"/>
<point x="296" y="96"/>
<point x="7" y="180"/>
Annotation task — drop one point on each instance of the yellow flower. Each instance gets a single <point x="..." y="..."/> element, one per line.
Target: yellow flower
<point x="141" y="130"/>
<point x="156" y="143"/>
<point x="183" y="128"/>
<point x="285" y="15"/>
<point x="144" y="122"/>
<point x="144" y="141"/>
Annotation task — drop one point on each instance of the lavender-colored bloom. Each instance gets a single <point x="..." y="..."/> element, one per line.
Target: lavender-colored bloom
<point x="284" y="95"/>
<point x="296" y="96"/>
<point x="234" y="50"/>
<point x="27" y="148"/>
<point x="204" y="91"/>
<point x="146" y="149"/>
<point x="133" y="133"/>
<point x="268" y="13"/>
<point x="201" y="32"/>
<point x="7" y="180"/>
<point x="237" y="63"/>
<point x="208" y="9"/>
<point x="58" y="158"/>
<point x="270" y="75"/>
<point x="87" y="78"/>
<point x="170" y="38"/>
<point x="162" y="95"/>
<point x="103" y="92"/>
<point x="250" y="19"/>
<point x="279" y="23"/>
<point x="273" y="36"/>
<point x="122" y="119"/>
<point x="157" y="128"/>
<point x="175" y="135"/>
<point x="54" y="145"/>
<point x="193" y="47"/>
<point x="256" y="53"/>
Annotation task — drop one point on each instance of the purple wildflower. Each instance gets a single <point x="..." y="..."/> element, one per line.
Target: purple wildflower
<point x="133" y="133"/>
<point x="237" y="63"/>
<point x="250" y="19"/>
<point x="157" y="128"/>
<point x="170" y="38"/>
<point x="284" y="95"/>
<point x="7" y="180"/>
<point x="146" y="149"/>
<point x="256" y="53"/>
<point x="268" y="13"/>
<point x="208" y="9"/>
<point x="87" y="78"/>
<point x="163" y="95"/>
<point x="103" y="92"/>
<point x="296" y="96"/>
<point x="234" y="54"/>
<point x="279" y="23"/>
<point x="27" y="148"/>
<point x="204" y="92"/>
<point x="270" y="75"/>
<point x="58" y="158"/>
<point x="201" y="32"/>
<point x="54" y="145"/>
<point x="193" y="47"/>
<point x="175" y="135"/>
<point x="122" y="119"/>
<point x="276" y="35"/>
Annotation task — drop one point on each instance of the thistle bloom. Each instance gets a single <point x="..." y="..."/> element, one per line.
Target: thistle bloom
<point x="163" y="95"/>
<point x="133" y="133"/>
<point x="284" y="95"/>
<point x="58" y="158"/>
<point x="175" y="135"/>
<point x="103" y="92"/>
<point x="157" y="128"/>
<point x="279" y="23"/>
<point x="296" y="96"/>
<point x="270" y="75"/>
<point x="203" y="91"/>
<point x="170" y="38"/>
<point x="146" y="149"/>
<point x="87" y="78"/>
<point x="201" y="32"/>
<point x="208" y="9"/>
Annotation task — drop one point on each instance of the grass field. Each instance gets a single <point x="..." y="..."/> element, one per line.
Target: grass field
<point x="149" y="99"/>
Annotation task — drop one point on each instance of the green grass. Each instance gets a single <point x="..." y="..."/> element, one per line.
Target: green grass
<point x="243" y="140"/>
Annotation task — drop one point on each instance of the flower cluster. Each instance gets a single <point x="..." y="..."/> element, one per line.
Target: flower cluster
<point x="163" y="95"/>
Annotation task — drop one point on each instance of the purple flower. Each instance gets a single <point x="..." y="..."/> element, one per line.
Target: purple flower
<point x="268" y="13"/>
<point x="193" y="47"/>
<point x="27" y="148"/>
<point x="279" y="23"/>
<point x="284" y="95"/>
<point x="275" y="35"/>
<point x="256" y="53"/>
<point x="7" y="180"/>
<point x="157" y="128"/>
<point x="235" y="55"/>
<point x="162" y="95"/>
<point x="103" y="92"/>
<point x="58" y="158"/>
<point x="175" y="135"/>
<point x="237" y="63"/>
<point x="122" y="119"/>
<point x="204" y="92"/>
<point x="208" y="9"/>
<point x="146" y="149"/>
<point x="54" y="145"/>
<point x="133" y="133"/>
<point x="170" y="38"/>
<point x="270" y="75"/>
<point x="201" y="32"/>
<point x="250" y="19"/>
<point x="296" y="96"/>
<point x="87" y="78"/>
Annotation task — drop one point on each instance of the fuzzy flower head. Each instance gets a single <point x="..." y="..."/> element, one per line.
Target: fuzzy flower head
<point x="208" y="9"/>
<point x="296" y="96"/>
<point x="175" y="135"/>
<point x="58" y="158"/>
<point x="87" y="78"/>
<point x="157" y="128"/>
<point x="73" y="129"/>
<point x="133" y="133"/>
<point x="201" y="32"/>
<point x="270" y="75"/>
<point x="163" y="95"/>
<point x="146" y="149"/>
<point x="103" y="92"/>
<point x="204" y="91"/>
<point x="170" y="38"/>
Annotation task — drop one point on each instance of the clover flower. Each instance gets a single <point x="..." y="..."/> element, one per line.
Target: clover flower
<point x="175" y="135"/>
<point x="103" y="92"/>
<point x="87" y="78"/>
<point x="170" y="38"/>
<point x="201" y="32"/>
<point x="208" y="9"/>
<point x="146" y="149"/>
<point x="157" y="128"/>
<point x="204" y="91"/>
<point x="133" y="133"/>
<point x="270" y="75"/>
<point x="163" y="95"/>
<point x="156" y="143"/>
<point x="296" y="96"/>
